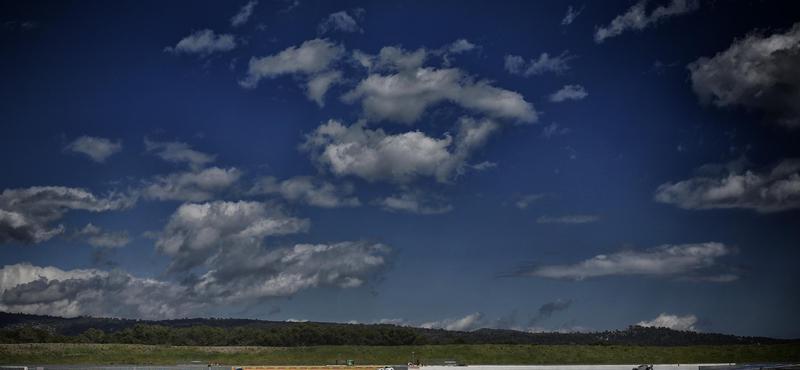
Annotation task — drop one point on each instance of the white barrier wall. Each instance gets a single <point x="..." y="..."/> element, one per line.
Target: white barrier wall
<point x="570" y="367"/>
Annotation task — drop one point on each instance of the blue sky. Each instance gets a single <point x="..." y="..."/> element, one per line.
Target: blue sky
<point x="539" y="166"/>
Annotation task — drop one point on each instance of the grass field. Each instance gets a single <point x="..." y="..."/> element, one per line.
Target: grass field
<point x="52" y="353"/>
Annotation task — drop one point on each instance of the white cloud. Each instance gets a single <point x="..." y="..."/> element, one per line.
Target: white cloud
<point x="294" y="4"/>
<point x="405" y="95"/>
<point x="239" y="274"/>
<point x="204" y="43"/>
<point x="525" y="200"/>
<point x="96" y="148"/>
<point x="571" y="15"/>
<point x="460" y="46"/>
<point x="569" y="219"/>
<point x="571" y="152"/>
<point x="568" y="92"/>
<point x="296" y="320"/>
<point x="457" y="47"/>
<point x="341" y="21"/>
<point x="222" y="240"/>
<point x="319" y="85"/>
<point x="97" y="236"/>
<point x="244" y="14"/>
<point x="376" y="156"/>
<point x="244" y="272"/>
<point x="664" y="261"/>
<point x="732" y="186"/>
<point x="674" y="322"/>
<point x="553" y="130"/>
<point x="176" y="152"/>
<point x="398" y="322"/>
<point x="312" y="62"/>
<point x="195" y="231"/>
<point x="757" y="72"/>
<point x="27" y="215"/>
<point x="194" y="186"/>
<point x="472" y="322"/>
<point x="52" y="291"/>
<point x="637" y="19"/>
<point x="483" y="166"/>
<point x="467" y="323"/>
<point x="414" y="203"/>
<point x="312" y="57"/>
<point x="558" y="65"/>
<point x="306" y="189"/>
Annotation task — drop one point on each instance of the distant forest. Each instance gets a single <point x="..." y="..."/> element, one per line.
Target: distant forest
<point x="22" y="328"/>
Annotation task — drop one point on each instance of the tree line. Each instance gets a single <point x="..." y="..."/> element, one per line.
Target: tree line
<point x="303" y="334"/>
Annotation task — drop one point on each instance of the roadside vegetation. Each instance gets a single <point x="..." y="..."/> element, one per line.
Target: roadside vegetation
<point x="75" y="353"/>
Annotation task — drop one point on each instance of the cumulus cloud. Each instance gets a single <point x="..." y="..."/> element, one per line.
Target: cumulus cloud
<point x="460" y="46"/>
<point x="238" y="273"/>
<point x="308" y="190"/>
<point x="674" y="322"/>
<point x="97" y="236"/>
<point x="548" y="309"/>
<point x="757" y="72"/>
<point x="677" y="261"/>
<point x="732" y="185"/>
<point x="553" y="130"/>
<point x="636" y="18"/>
<point x="568" y="92"/>
<point x="96" y="148"/>
<point x="403" y="96"/>
<point x="52" y="291"/>
<point x="28" y="215"/>
<point x="244" y="14"/>
<point x="341" y="21"/>
<point x="193" y="186"/>
<point x="568" y="219"/>
<point x="195" y="231"/>
<point x="311" y="61"/>
<point x="177" y="152"/>
<point x="247" y="272"/>
<point x="516" y="64"/>
<point x="311" y="57"/>
<point x="571" y="15"/>
<point x="203" y="43"/>
<point x="414" y="202"/>
<point x="318" y="85"/>
<point x="376" y="156"/>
